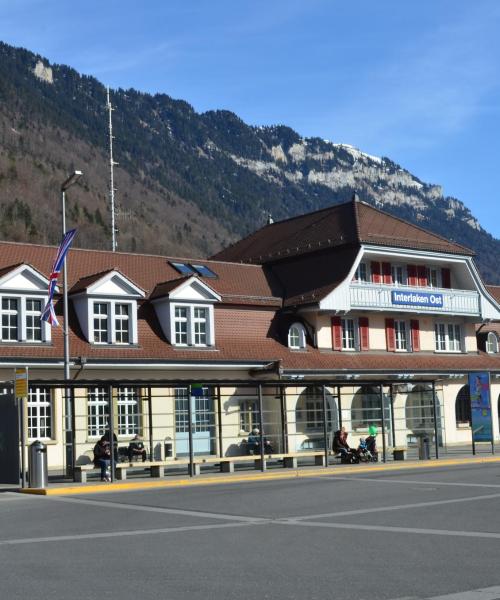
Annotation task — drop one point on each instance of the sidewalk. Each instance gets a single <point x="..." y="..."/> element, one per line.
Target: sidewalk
<point x="71" y="488"/>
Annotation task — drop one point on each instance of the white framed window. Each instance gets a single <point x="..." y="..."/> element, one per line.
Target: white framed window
<point x="129" y="414"/>
<point x="401" y="336"/>
<point x="20" y="318"/>
<point x="349" y="334"/>
<point x="361" y="273"/>
<point x="112" y="322"/>
<point x="200" y="325"/>
<point x="297" y="336"/>
<point x="492" y="343"/>
<point x="192" y="325"/>
<point x="122" y="325"/>
<point x="33" y="320"/>
<point x="10" y="319"/>
<point x="100" y="323"/>
<point x="97" y="411"/>
<point x="181" y="325"/>
<point x="448" y="337"/>
<point x="398" y="273"/>
<point x="40" y="413"/>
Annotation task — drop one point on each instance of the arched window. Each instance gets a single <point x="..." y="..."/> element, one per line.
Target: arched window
<point x="462" y="406"/>
<point x="420" y="409"/>
<point x="297" y="336"/>
<point x="492" y="343"/>
<point x="365" y="408"/>
<point x="309" y="412"/>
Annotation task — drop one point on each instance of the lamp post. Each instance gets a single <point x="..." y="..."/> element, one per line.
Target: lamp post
<point x="70" y="433"/>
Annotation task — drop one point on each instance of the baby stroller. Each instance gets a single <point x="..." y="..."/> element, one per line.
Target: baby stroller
<point x="367" y="450"/>
<point x="364" y="455"/>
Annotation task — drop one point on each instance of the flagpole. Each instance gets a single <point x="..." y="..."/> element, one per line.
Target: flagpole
<point x="70" y="434"/>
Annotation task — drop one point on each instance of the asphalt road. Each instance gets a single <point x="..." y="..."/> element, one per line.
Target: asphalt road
<point x="401" y="535"/>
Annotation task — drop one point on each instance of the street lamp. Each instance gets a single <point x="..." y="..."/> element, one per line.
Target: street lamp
<point x="71" y="180"/>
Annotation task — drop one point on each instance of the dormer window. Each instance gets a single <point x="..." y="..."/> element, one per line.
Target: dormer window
<point x="492" y="343"/>
<point x="23" y="294"/>
<point x="106" y="305"/>
<point x="192" y="325"/>
<point x="297" y="337"/>
<point x="185" y="311"/>
<point x="111" y="322"/>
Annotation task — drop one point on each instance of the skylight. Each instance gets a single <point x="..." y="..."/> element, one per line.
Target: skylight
<point x="183" y="268"/>
<point x="195" y="269"/>
<point x="203" y="270"/>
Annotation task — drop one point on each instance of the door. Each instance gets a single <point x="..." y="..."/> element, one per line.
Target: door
<point x="202" y="414"/>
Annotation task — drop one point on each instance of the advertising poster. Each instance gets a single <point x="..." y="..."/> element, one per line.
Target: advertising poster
<point x="479" y="384"/>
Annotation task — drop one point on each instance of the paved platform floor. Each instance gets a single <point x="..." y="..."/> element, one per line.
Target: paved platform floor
<point x="426" y="533"/>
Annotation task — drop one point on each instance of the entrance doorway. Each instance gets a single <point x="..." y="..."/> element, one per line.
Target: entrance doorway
<point x="202" y="421"/>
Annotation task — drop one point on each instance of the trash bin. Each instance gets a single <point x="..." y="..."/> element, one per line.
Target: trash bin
<point x="37" y="465"/>
<point x="424" y="447"/>
<point x="168" y="449"/>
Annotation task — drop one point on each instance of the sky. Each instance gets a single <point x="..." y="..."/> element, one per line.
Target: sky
<point x="414" y="80"/>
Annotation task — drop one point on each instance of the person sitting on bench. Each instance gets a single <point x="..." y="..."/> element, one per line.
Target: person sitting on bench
<point x="253" y="443"/>
<point x="102" y="458"/>
<point x="340" y="445"/>
<point x="136" y="449"/>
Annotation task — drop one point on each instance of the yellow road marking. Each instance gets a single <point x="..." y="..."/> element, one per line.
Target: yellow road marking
<point x="240" y="478"/>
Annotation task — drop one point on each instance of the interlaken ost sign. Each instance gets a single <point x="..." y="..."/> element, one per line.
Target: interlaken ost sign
<point x="412" y="298"/>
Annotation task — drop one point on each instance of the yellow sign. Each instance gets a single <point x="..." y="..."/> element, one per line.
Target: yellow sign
<point x="21" y="379"/>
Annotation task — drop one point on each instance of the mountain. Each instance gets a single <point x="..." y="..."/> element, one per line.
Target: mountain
<point x="187" y="183"/>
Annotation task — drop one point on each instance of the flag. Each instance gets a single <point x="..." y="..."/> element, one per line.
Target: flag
<point x="48" y="313"/>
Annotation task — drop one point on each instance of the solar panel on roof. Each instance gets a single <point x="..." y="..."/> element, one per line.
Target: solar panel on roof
<point x="183" y="268"/>
<point x="203" y="270"/>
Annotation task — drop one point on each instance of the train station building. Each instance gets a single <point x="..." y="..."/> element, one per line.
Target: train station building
<point x="345" y="316"/>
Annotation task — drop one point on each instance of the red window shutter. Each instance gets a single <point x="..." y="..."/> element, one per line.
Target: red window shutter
<point x="390" y="335"/>
<point x="446" y="278"/>
<point x="412" y="275"/>
<point x="336" y="333"/>
<point x="376" y="276"/>
<point x="386" y="271"/>
<point x="364" y="335"/>
<point x="422" y="275"/>
<point x="415" y="335"/>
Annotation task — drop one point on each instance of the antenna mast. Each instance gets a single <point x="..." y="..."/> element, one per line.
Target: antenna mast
<point x="112" y="163"/>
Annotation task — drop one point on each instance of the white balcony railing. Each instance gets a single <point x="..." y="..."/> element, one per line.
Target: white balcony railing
<point x="413" y="299"/>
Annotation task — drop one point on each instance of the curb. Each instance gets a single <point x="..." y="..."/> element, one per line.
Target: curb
<point x="242" y="478"/>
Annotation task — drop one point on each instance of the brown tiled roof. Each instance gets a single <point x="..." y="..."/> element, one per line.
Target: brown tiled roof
<point x="305" y="283"/>
<point x="163" y="288"/>
<point x="245" y="284"/>
<point x="7" y="269"/>
<point x="494" y="290"/>
<point x="83" y="283"/>
<point x="392" y="362"/>
<point x="378" y="227"/>
<point x="352" y="222"/>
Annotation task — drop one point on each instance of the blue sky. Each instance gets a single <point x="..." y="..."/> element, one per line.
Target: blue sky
<point x="415" y="80"/>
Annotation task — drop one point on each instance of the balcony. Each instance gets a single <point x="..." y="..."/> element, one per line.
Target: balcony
<point x="401" y="298"/>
